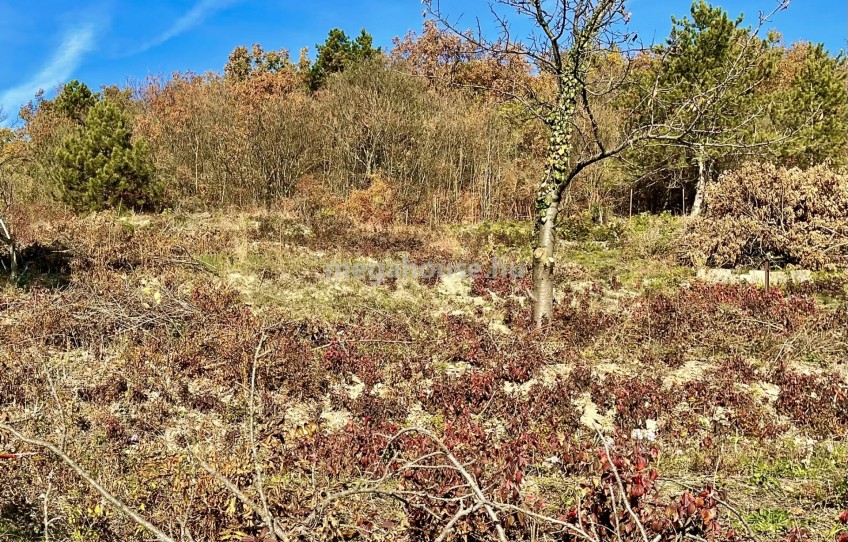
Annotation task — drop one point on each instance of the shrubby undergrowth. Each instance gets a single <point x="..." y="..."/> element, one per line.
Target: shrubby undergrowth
<point x="763" y="212"/>
<point x="141" y="367"/>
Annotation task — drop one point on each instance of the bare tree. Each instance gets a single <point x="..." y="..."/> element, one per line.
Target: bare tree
<point x="571" y="40"/>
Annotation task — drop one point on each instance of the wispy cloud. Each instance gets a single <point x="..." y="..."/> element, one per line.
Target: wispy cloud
<point x="75" y="44"/>
<point x="193" y="17"/>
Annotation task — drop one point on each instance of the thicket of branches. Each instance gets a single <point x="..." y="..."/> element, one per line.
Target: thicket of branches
<point x="438" y="122"/>
<point x="760" y="212"/>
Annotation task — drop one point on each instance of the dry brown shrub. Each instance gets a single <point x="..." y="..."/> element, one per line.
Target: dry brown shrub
<point x="375" y="204"/>
<point x="310" y="196"/>
<point x="447" y="60"/>
<point x="760" y="211"/>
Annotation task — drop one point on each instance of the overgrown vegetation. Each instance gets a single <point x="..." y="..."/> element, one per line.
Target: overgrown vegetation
<point x="179" y="362"/>
<point x="787" y="216"/>
<point x="434" y="118"/>
<point x="148" y="357"/>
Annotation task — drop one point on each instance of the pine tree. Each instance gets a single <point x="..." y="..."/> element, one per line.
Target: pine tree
<point x="338" y="52"/>
<point x="74" y="101"/>
<point x="99" y="166"/>
<point x="702" y="50"/>
<point x="815" y="106"/>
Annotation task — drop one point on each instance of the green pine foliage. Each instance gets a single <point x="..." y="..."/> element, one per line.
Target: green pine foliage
<point x="338" y="52"/>
<point x="701" y="50"/>
<point x="100" y="166"/>
<point x="816" y="107"/>
<point x="74" y="101"/>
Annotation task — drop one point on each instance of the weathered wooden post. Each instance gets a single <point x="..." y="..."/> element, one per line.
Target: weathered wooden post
<point x="768" y="270"/>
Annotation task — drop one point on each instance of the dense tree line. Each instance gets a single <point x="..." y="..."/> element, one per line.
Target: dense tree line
<point x="439" y="121"/>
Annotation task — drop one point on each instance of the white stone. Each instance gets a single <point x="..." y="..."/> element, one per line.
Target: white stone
<point x="800" y="275"/>
<point x="455" y="285"/>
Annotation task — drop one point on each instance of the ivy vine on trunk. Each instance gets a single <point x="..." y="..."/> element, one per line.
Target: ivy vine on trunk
<point x="594" y="60"/>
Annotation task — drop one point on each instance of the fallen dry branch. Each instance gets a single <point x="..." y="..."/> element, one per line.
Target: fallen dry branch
<point x="476" y="496"/>
<point x="472" y="483"/>
<point x="257" y="509"/>
<point x="481" y="501"/>
<point x="111" y="499"/>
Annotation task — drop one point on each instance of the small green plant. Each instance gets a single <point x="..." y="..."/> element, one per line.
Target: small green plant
<point x="842" y="492"/>
<point x="586" y="228"/>
<point x="770" y="521"/>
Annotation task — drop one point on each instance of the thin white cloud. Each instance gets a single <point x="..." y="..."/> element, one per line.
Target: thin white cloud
<point x="193" y="17"/>
<point x="76" y="43"/>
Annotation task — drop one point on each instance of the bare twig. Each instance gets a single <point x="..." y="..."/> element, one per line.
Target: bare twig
<point x="461" y="513"/>
<point x="46" y="509"/>
<point x="245" y="500"/>
<point x="728" y="506"/>
<point x="111" y="499"/>
<point x="257" y="466"/>
<point x="472" y="483"/>
<point x="624" y="498"/>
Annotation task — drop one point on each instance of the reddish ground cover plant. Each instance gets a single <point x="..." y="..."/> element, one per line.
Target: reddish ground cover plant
<point x="149" y="361"/>
<point x="843" y="535"/>
<point x="818" y="402"/>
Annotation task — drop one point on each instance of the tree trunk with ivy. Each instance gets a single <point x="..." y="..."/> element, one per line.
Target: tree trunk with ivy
<point x="548" y="197"/>
<point x="586" y="46"/>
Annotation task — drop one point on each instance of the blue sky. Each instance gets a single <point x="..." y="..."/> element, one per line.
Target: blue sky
<point x="118" y="41"/>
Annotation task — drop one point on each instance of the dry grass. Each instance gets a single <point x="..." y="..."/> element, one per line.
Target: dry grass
<point x="132" y="343"/>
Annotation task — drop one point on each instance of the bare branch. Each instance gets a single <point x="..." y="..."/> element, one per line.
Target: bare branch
<point x="624" y="498"/>
<point x="111" y="499"/>
<point x="257" y="466"/>
<point x="245" y="500"/>
<point x="472" y="483"/>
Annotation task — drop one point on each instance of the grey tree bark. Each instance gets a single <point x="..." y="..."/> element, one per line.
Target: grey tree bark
<point x="543" y="268"/>
<point x="701" y="186"/>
